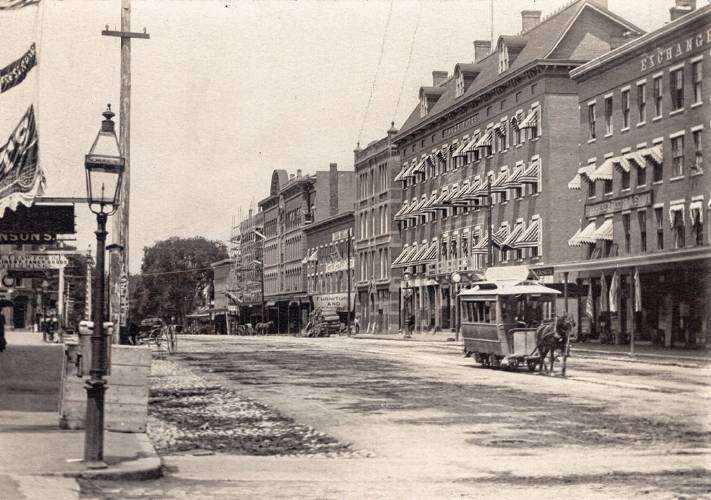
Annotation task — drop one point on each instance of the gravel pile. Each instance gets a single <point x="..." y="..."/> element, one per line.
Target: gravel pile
<point x="189" y="414"/>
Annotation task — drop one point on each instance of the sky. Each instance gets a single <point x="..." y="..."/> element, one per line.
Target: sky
<point x="225" y="91"/>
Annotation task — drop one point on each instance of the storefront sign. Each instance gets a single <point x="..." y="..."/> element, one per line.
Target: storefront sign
<point x="337" y="301"/>
<point x="339" y="265"/>
<point x="637" y="200"/>
<point x="340" y="235"/>
<point x="15" y="238"/>
<point x="663" y="55"/>
<point x="33" y="261"/>
<point x="50" y="219"/>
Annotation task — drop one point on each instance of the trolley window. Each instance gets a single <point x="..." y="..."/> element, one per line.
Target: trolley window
<point x="479" y="311"/>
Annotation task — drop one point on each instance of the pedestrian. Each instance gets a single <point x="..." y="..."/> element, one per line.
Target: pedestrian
<point x="356" y="323"/>
<point x="132" y="332"/>
<point x="410" y="325"/>
<point x="3" y="342"/>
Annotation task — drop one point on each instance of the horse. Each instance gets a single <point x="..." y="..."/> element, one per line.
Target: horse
<point x="551" y="337"/>
<point x="264" y="328"/>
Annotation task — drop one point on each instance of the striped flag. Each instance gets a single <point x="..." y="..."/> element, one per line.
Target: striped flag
<point x="589" y="312"/>
<point x="614" y="291"/>
<point x="16" y="4"/>
<point x="603" y="293"/>
<point x="15" y="72"/>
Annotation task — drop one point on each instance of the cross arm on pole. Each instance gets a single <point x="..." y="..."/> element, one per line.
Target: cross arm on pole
<point x="125" y="34"/>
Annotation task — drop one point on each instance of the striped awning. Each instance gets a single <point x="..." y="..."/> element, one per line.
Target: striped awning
<point x="513" y="236"/>
<point x="575" y="182"/>
<point x="419" y="167"/>
<point x="426" y="254"/>
<point x="513" y="180"/>
<point x="454" y="190"/>
<point x="467" y="194"/>
<point x="458" y="198"/>
<point x="636" y="157"/>
<point x="655" y="153"/>
<point x="532" y="174"/>
<point x="621" y="162"/>
<point x="604" y="232"/>
<point x="417" y="206"/>
<point x="403" y="259"/>
<point x="604" y="171"/>
<point x="531" y="119"/>
<point x="460" y="150"/>
<point x="484" y="141"/>
<point x="471" y="145"/>
<point x="517" y="118"/>
<point x="500" y="236"/>
<point x="438" y="203"/>
<point x="482" y="247"/>
<point x="481" y="190"/>
<point x="427" y="207"/>
<point x="497" y="186"/>
<point x="398" y="215"/>
<point x="530" y="237"/>
<point x="583" y="236"/>
<point x="399" y="176"/>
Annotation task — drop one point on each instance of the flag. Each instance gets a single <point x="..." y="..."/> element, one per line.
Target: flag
<point x="603" y="294"/>
<point x="589" y="311"/>
<point x="15" y="72"/>
<point x="614" y="292"/>
<point x="16" y="4"/>
<point x="21" y="177"/>
<point x="637" y="292"/>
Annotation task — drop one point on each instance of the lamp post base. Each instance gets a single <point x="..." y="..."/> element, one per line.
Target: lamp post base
<point x="96" y="465"/>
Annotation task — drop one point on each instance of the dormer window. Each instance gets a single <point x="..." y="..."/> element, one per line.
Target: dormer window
<point x="503" y="57"/>
<point x="459" y="88"/>
<point x="423" y="106"/>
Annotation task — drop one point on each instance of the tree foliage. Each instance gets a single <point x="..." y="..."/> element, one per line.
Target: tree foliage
<point x="173" y="273"/>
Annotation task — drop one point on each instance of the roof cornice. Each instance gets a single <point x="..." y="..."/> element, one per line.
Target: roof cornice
<point x="479" y="94"/>
<point x="637" y="44"/>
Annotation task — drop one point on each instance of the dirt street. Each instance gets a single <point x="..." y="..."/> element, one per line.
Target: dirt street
<point x="284" y="417"/>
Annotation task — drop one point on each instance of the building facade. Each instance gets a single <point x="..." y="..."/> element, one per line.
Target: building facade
<point x="644" y="235"/>
<point x="377" y="239"/>
<point x="330" y="264"/>
<point x="485" y="157"/>
<point x="294" y="202"/>
<point x="224" y="312"/>
<point x="251" y="230"/>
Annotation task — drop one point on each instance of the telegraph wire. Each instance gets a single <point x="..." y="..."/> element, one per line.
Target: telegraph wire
<point x="409" y="60"/>
<point x="377" y="69"/>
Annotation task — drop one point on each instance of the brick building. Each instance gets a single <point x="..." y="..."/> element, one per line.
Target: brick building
<point x="294" y="202"/>
<point x="250" y="259"/>
<point x="505" y="124"/>
<point x="377" y="240"/>
<point x="644" y="188"/>
<point x="328" y="261"/>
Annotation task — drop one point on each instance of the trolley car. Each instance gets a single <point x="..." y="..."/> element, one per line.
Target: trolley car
<point x="500" y="317"/>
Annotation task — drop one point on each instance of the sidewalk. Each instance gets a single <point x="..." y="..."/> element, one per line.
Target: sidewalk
<point x="30" y="438"/>
<point x="680" y="354"/>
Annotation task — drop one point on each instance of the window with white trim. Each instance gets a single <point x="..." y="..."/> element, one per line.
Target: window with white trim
<point x="608" y="115"/>
<point x="625" y="108"/>
<point x="592" y="118"/>
<point x="642" y="102"/>
<point x="658" y="96"/>
<point x="642" y="223"/>
<point x="678" y="228"/>
<point x="696" y="166"/>
<point x="659" y="223"/>
<point x="677" y="144"/>
<point x="697" y="78"/>
<point x="459" y="85"/>
<point x="677" y="88"/>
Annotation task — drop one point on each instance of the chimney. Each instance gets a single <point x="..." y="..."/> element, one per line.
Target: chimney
<point x="438" y="77"/>
<point x="298" y="173"/>
<point x="392" y="131"/>
<point x="529" y="18"/>
<point x="332" y="189"/>
<point x="682" y="8"/>
<point x="481" y="49"/>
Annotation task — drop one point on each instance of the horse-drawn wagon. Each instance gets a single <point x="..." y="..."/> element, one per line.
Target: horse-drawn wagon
<point x="323" y="323"/>
<point x="508" y="320"/>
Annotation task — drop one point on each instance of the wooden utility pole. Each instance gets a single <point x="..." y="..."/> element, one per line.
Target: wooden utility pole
<point x="118" y="265"/>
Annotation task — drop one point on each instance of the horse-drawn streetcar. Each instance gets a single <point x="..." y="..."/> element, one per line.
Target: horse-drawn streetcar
<point x="508" y="320"/>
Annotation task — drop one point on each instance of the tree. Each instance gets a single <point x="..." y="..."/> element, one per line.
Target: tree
<point x="172" y="274"/>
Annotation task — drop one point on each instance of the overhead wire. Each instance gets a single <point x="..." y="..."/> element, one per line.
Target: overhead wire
<point x="409" y="61"/>
<point x="377" y="70"/>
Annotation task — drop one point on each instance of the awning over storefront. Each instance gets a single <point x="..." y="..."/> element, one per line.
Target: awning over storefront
<point x="513" y="236"/>
<point x="270" y="303"/>
<point x="604" y="232"/>
<point x="530" y="237"/>
<point x="532" y="174"/>
<point x="583" y="236"/>
<point x="531" y="119"/>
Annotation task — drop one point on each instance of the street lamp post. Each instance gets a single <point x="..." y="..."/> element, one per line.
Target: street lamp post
<point x="104" y="171"/>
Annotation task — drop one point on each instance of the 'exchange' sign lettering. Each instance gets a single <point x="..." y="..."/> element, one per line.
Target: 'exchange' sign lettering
<point x="678" y="49"/>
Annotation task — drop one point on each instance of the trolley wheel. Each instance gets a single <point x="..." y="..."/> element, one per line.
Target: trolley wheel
<point x="531" y="364"/>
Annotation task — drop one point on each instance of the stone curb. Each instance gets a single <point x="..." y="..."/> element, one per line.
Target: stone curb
<point x="149" y="466"/>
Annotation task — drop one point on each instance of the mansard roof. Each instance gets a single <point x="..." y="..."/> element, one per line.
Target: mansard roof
<point x="536" y="45"/>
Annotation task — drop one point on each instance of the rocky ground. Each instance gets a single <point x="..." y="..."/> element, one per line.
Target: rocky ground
<point x="337" y="418"/>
